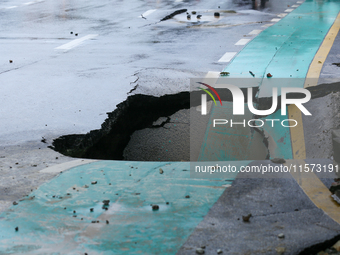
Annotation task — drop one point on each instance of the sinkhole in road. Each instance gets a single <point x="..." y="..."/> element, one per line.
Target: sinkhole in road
<point x="129" y="131"/>
<point x="118" y="138"/>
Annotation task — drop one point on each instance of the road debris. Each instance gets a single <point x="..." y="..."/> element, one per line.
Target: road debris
<point x="252" y="74"/>
<point x="336" y="64"/>
<point x="219" y="251"/>
<point x="161" y="171"/>
<point x="170" y="16"/>
<point x="94" y="182"/>
<point x="246" y="218"/>
<point x="269" y="75"/>
<point x="224" y="73"/>
<point x="155" y="207"/>
<point x="216" y="14"/>
<point x="15" y="203"/>
<point x="199" y="16"/>
<point x="200" y="251"/>
<point x="106" y="202"/>
<point x="281" y="235"/>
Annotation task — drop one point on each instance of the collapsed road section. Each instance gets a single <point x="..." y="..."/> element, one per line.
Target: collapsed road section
<point x="124" y="125"/>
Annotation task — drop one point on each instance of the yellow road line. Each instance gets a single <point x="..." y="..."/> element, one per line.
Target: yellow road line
<point x="317" y="192"/>
<point x="296" y="133"/>
<point x="320" y="57"/>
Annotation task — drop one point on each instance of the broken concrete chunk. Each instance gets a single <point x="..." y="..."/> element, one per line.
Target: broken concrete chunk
<point x="161" y="171"/>
<point x="281" y="235"/>
<point x="94" y="182"/>
<point x="219" y="251"/>
<point x="155" y="207"/>
<point x="106" y="202"/>
<point x="200" y="251"/>
<point x="15" y="203"/>
<point x="246" y="218"/>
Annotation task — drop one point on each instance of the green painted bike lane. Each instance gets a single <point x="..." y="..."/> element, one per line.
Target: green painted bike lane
<point x="285" y="50"/>
<point x="57" y="217"/>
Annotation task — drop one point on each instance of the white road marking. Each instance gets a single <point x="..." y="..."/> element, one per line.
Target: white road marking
<point x="67" y="165"/>
<point x="255" y="32"/>
<point x="282" y="15"/>
<point x="275" y="20"/>
<point x="76" y="42"/>
<point x="242" y="42"/>
<point x="177" y="1"/>
<point x="147" y="13"/>
<point x="11" y="7"/>
<point x="267" y="25"/>
<point x="211" y="77"/>
<point x="28" y="3"/>
<point x="227" y="57"/>
<point x="295" y="5"/>
<point x="204" y="104"/>
<point x="299" y="2"/>
<point x="289" y="10"/>
<point x="212" y="74"/>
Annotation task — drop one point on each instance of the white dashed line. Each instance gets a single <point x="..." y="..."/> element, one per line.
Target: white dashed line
<point x="212" y="74"/>
<point x="255" y="32"/>
<point x="28" y="3"/>
<point x="11" y="7"/>
<point x="295" y="6"/>
<point x="227" y="57"/>
<point x="242" y="42"/>
<point x="147" y="13"/>
<point x="67" y="165"/>
<point x="282" y="15"/>
<point x="267" y="25"/>
<point x="275" y="20"/>
<point x="76" y="42"/>
<point x="289" y="10"/>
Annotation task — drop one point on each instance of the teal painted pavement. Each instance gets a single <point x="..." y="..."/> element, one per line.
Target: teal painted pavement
<point x="285" y="50"/>
<point x="46" y="217"/>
